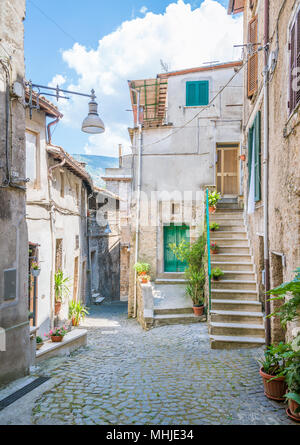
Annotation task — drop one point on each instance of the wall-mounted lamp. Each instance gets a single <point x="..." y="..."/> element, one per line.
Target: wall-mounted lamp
<point x="92" y="124"/>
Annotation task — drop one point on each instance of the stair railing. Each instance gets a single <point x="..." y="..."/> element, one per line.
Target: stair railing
<point x="208" y="250"/>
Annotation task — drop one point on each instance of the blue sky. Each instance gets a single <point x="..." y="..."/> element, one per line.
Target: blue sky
<point x="108" y="39"/>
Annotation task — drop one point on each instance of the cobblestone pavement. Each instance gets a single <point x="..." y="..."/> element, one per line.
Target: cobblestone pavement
<point x="165" y="376"/>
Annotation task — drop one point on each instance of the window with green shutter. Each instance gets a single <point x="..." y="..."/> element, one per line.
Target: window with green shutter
<point x="197" y="93"/>
<point x="254" y="150"/>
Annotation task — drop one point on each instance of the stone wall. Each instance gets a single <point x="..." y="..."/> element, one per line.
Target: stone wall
<point x="15" y="360"/>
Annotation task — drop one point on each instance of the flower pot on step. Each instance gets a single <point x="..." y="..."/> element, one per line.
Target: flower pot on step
<point x="57" y="307"/>
<point x="274" y="389"/>
<point x="212" y="209"/>
<point x="198" y="310"/>
<point x="56" y="339"/>
<point x="293" y="406"/>
<point x="75" y="322"/>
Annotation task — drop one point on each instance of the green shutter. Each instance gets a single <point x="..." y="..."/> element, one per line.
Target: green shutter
<point x="197" y="93"/>
<point x="250" y="149"/>
<point x="174" y="234"/>
<point x="257" y="136"/>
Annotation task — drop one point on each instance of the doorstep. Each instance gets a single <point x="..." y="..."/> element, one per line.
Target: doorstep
<point x="72" y="341"/>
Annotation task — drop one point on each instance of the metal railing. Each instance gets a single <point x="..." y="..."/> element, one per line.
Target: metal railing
<point x="208" y="250"/>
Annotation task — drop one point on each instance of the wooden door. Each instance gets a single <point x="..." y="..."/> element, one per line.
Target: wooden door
<point x="174" y="234"/>
<point x="227" y="169"/>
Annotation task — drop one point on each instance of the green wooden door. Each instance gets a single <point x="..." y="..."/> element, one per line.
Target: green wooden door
<point x="174" y="234"/>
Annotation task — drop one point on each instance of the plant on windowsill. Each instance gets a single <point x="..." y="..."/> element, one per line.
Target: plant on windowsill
<point x="142" y="268"/>
<point x="57" y="334"/>
<point x="77" y="312"/>
<point x="35" y="269"/>
<point x="61" y="289"/>
<point x="217" y="274"/>
<point x="213" y="199"/>
<point x="213" y="227"/>
<point x="273" y="370"/>
<point x="39" y="342"/>
<point x="214" y="248"/>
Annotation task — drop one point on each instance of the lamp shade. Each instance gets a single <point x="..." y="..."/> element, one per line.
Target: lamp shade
<point x="92" y="124"/>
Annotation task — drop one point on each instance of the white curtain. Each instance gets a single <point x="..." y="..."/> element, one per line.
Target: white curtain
<point x="251" y="197"/>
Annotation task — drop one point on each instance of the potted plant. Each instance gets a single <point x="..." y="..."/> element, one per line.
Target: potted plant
<point x="217" y="273"/>
<point x="214" y="248"/>
<point x="145" y="279"/>
<point x="39" y="342"/>
<point x="292" y="379"/>
<point x="35" y="269"/>
<point x="213" y="199"/>
<point x="273" y="369"/>
<point x="195" y="289"/>
<point x="61" y="289"/>
<point x="213" y="227"/>
<point x="142" y="268"/>
<point x="57" y="334"/>
<point x="77" y="312"/>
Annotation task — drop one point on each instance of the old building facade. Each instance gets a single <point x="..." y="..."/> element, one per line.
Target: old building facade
<point x="14" y="325"/>
<point x="271" y="142"/>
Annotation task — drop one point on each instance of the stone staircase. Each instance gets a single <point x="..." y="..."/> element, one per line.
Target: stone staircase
<point x="171" y="304"/>
<point x="236" y="318"/>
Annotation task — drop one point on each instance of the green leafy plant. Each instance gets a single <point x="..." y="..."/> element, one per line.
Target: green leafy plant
<point x="142" y="268"/>
<point x="276" y="358"/>
<point x="217" y="273"/>
<point x="292" y="375"/>
<point x="35" y="266"/>
<point x="213" y="198"/>
<point x="61" y="287"/>
<point x="288" y="311"/>
<point x="77" y="311"/>
<point x="195" y="287"/>
<point x="39" y="340"/>
<point x="214" y="226"/>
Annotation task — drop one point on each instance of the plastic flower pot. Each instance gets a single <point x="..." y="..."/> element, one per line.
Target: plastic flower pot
<point x="35" y="272"/>
<point x="291" y="411"/>
<point x="56" y="339"/>
<point x="274" y="389"/>
<point x="198" y="310"/>
<point x="57" y="307"/>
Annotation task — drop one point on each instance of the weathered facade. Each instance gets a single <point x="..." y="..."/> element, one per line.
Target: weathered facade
<point x="187" y="118"/>
<point x="271" y="141"/>
<point x="14" y="325"/>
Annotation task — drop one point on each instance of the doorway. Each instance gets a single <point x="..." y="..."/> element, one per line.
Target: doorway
<point x="228" y="169"/>
<point x="174" y="234"/>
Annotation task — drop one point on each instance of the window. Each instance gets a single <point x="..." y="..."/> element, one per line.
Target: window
<point x="254" y="154"/>
<point x="253" y="58"/>
<point x="197" y="93"/>
<point x="294" y="48"/>
<point x="31" y="156"/>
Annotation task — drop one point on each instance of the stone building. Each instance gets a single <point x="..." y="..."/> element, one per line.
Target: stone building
<point x="14" y="325"/>
<point x="190" y="123"/>
<point x="271" y="141"/>
<point x="57" y="212"/>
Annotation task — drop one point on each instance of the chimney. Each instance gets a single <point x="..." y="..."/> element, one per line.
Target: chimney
<point x="120" y="156"/>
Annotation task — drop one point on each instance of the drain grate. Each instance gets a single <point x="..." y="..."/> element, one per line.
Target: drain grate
<point x="22" y="392"/>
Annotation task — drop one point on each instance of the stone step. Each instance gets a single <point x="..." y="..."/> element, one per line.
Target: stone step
<point x="160" y="281"/>
<point x="234" y="284"/>
<point x="236" y="275"/>
<point x="238" y="234"/>
<point x="236" y="216"/>
<point x="237" y="329"/>
<point x="231" y="227"/>
<point x="234" y="294"/>
<point x="170" y="319"/>
<point x="223" y="222"/>
<point x="231" y="258"/>
<point x="236" y="305"/>
<point x="232" y="266"/>
<point x="235" y="342"/>
<point x="239" y="316"/>
<point x="171" y="275"/>
<point x="231" y="242"/>
<point x="172" y="311"/>
<point x="234" y="249"/>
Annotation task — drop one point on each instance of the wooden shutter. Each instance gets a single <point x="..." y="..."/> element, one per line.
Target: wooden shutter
<point x="294" y="47"/>
<point x="197" y="93"/>
<point x="203" y="88"/>
<point x="191" y="94"/>
<point x="252" y="60"/>
<point x="257" y="154"/>
<point x="250" y="149"/>
<point x="238" y="6"/>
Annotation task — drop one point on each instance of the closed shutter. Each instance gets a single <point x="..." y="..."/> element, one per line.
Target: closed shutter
<point x="292" y="102"/>
<point x="253" y="59"/>
<point x="238" y="6"/>
<point x="257" y="154"/>
<point x="294" y="47"/>
<point x="298" y="57"/>
<point x="250" y="149"/>
<point x="197" y="93"/>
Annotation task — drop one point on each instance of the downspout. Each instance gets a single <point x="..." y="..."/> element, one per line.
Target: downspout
<point x="137" y="229"/>
<point x="88" y="233"/>
<point x="266" y="174"/>
<point x="49" y="127"/>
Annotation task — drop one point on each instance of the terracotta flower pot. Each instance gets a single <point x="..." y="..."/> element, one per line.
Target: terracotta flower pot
<point x="57" y="307"/>
<point x="293" y="406"/>
<point x="198" y="310"/>
<point x="274" y="389"/>
<point x="144" y="280"/>
<point x="56" y="339"/>
<point x="214" y="252"/>
<point x="75" y="322"/>
<point x="212" y="209"/>
<point x="243" y="158"/>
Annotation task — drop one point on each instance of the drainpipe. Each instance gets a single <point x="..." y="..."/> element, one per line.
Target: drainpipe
<point x="49" y="127"/>
<point x="137" y="230"/>
<point x="266" y="174"/>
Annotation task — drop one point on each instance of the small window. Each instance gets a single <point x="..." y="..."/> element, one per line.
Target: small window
<point x="197" y="93"/>
<point x="31" y="156"/>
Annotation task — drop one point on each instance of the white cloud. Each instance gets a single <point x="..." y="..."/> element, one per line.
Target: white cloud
<point x="57" y="80"/>
<point x="143" y="9"/>
<point x="182" y="36"/>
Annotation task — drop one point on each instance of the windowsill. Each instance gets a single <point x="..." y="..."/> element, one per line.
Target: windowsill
<point x="197" y="106"/>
